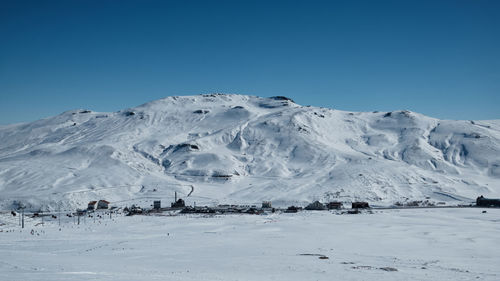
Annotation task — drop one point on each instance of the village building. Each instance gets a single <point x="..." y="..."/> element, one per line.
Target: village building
<point x="316" y="206"/>
<point x="266" y="205"/>
<point x="91" y="206"/>
<point x="334" y="205"/>
<point x="360" y="205"/>
<point x="178" y="204"/>
<point x="157" y="204"/>
<point x="486" y="202"/>
<point x="103" y="204"/>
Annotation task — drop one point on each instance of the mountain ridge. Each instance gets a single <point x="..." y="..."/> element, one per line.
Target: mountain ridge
<point x="245" y="149"/>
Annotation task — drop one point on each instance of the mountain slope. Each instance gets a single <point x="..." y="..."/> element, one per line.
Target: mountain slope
<point x="244" y="149"/>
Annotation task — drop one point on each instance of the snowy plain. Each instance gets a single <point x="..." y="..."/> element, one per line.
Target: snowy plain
<point x="410" y="244"/>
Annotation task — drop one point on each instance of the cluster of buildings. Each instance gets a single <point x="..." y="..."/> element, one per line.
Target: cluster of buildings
<point x="180" y="204"/>
<point x="334" y="205"/>
<point x="266" y="206"/>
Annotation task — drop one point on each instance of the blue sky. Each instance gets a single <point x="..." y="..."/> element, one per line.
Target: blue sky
<point x="439" y="58"/>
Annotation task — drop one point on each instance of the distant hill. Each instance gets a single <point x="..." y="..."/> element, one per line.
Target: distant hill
<point x="245" y="149"/>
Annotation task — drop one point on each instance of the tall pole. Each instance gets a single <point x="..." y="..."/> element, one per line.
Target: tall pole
<point x="59" y="215"/>
<point x="23" y="219"/>
<point x="78" y="219"/>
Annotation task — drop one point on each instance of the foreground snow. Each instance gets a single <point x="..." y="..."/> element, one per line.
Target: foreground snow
<point x="423" y="244"/>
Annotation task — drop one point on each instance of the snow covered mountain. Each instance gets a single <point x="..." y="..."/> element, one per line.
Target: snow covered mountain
<point x="243" y="149"/>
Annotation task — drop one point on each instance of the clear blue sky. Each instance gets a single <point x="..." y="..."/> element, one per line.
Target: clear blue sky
<point x="440" y="58"/>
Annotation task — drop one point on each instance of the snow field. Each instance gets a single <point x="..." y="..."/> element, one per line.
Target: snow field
<point x="423" y="244"/>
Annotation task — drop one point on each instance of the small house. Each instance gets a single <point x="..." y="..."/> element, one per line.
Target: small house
<point x="316" y="205"/>
<point x="487" y="202"/>
<point x="156" y="204"/>
<point x="360" y="205"/>
<point x="266" y="205"/>
<point x="291" y="209"/>
<point x="91" y="205"/>
<point x="103" y="204"/>
<point x="178" y="204"/>
<point x="334" y="205"/>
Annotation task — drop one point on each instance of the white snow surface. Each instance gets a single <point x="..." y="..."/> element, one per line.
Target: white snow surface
<point x="411" y="244"/>
<point x="244" y="149"/>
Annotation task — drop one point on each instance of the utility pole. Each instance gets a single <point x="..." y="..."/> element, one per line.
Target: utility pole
<point x="23" y="219"/>
<point x="78" y="218"/>
<point x="59" y="215"/>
